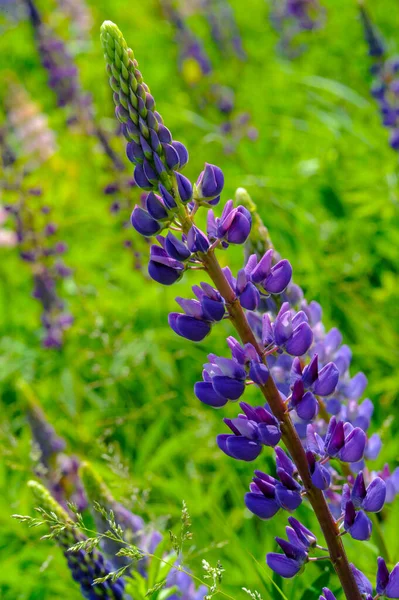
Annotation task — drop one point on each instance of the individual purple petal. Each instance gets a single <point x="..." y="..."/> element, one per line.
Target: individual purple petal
<point x="321" y="477"/>
<point x="375" y="496"/>
<point x="197" y="240"/>
<point x="304" y="534"/>
<point x="182" y="153"/>
<point x="176" y="248"/>
<point x="300" y="341"/>
<point x="362" y="582"/>
<point x="288" y="499"/>
<point x="228" y="387"/>
<point x="259" y="505"/>
<point x="214" y="310"/>
<point x="355" y="444"/>
<point x="382" y="576"/>
<point x="239" y="229"/>
<point x="163" y="274"/>
<point x="327" y="380"/>
<point x="206" y="394"/>
<point x="262" y="269"/>
<point x="189" y="327"/>
<point x="258" y="372"/>
<point x="361" y="527"/>
<point x="308" y="407"/>
<point x="282" y="565"/>
<point x="140" y="178"/>
<point x="270" y="435"/>
<point x="241" y="448"/>
<point x="167" y="197"/>
<point x="210" y="182"/>
<point x="144" y="223"/>
<point x="278" y="278"/>
<point x="249" y="297"/>
<point x="156" y="207"/>
<point x="171" y="156"/>
<point x="184" y="187"/>
<point x="392" y="589"/>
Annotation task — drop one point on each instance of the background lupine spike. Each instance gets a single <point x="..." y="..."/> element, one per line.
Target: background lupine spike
<point x="85" y="566"/>
<point x="132" y="525"/>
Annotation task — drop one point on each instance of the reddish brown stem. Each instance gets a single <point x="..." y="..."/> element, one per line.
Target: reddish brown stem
<point x="289" y="434"/>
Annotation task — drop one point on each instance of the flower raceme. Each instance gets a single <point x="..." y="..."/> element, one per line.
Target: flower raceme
<point x="301" y="370"/>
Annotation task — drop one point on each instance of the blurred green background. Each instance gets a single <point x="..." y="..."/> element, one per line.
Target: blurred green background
<point x="120" y="391"/>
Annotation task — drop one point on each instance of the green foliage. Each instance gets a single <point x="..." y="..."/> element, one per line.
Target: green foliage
<point x="120" y="391"/>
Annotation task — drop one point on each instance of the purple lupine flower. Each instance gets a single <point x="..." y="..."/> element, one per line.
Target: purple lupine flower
<point x="224" y="380"/>
<point x="320" y="474"/>
<point x="295" y="551"/>
<point x="232" y="227"/>
<point x="387" y="582"/>
<point x="357" y="523"/>
<point x="185" y="585"/>
<point x="268" y="495"/>
<point x="290" y="332"/>
<point x="209" y="185"/>
<point x="199" y="315"/>
<point x="269" y="278"/>
<point x="251" y="431"/>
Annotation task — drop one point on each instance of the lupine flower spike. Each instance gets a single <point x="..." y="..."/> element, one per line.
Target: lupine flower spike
<point x="85" y="566"/>
<point x="301" y="371"/>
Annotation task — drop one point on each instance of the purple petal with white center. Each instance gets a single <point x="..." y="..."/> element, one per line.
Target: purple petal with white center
<point x="259" y="505"/>
<point x="300" y="341"/>
<point x="280" y="564"/>
<point x="279" y="277"/>
<point x="375" y="496"/>
<point x="189" y="327"/>
<point x="206" y="394"/>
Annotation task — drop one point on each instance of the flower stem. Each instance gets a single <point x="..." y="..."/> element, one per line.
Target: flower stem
<point x="289" y="434"/>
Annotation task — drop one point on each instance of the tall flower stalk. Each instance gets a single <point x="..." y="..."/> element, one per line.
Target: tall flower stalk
<point x="276" y="339"/>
